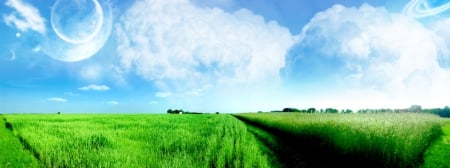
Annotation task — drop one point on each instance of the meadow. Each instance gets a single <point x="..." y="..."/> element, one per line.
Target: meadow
<point x="210" y="140"/>
<point x="368" y="140"/>
<point x="137" y="141"/>
<point x="12" y="153"/>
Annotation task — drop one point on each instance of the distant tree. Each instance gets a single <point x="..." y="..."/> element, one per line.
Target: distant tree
<point x="217" y="112"/>
<point x="311" y="110"/>
<point x="58" y="112"/>
<point x="415" y="108"/>
<point x="289" y="109"/>
<point x="445" y="112"/>
<point x="331" y="110"/>
<point x="169" y="111"/>
<point x="347" y="111"/>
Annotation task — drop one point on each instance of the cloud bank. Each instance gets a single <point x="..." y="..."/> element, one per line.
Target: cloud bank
<point x="372" y="58"/>
<point x="191" y="50"/>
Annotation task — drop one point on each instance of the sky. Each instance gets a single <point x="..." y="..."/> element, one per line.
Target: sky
<point x="146" y="56"/>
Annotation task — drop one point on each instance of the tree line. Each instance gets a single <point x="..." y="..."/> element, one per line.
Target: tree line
<point x="180" y="111"/>
<point x="443" y="112"/>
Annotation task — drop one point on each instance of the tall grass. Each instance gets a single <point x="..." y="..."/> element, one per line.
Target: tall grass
<point x="12" y="153"/>
<point x="438" y="154"/>
<point x="396" y="140"/>
<point x="139" y="140"/>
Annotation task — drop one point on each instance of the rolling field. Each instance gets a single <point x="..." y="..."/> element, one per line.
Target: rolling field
<point x="262" y="140"/>
<point x="386" y="140"/>
<point x="138" y="141"/>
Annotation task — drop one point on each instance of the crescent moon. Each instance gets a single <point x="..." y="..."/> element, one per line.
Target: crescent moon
<point x="420" y="9"/>
<point x="98" y="26"/>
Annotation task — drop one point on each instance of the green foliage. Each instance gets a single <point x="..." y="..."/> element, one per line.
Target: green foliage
<point x="443" y="112"/>
<point x="331" y="110"/>
<point x="139" y="140"/>
<point x="180" y="111"/>
<point x="289" y="109"/>
<point x="311" y="110"/>
<point x="393" y="139"/>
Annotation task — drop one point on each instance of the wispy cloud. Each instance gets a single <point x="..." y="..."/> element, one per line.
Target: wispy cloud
<point x="71" y="94"/>
<point x="163" y="94"/>
<point x="26" y="17"/>
<point x="57" y="99"/>
<point x="94" y="87"/>
<point x="113" y="102"/>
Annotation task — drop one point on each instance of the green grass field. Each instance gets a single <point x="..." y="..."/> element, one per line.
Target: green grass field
<point x="391" y="140"/>
<point x="138" y="140"/>
<point x="12" y="153"/>
<point x="438" y="153"/>
<point x="263" y="140"/>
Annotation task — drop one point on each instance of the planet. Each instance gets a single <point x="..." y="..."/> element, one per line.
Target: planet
<point x="424" y="8"/>
<point x="77" y="21"/>
<point x="80" y="29"/>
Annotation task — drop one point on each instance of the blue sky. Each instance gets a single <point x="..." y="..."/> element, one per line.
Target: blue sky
<point x="90" y="56"/>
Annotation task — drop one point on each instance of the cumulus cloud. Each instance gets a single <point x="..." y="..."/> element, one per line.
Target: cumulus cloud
<point x="26" y="17"/>
<point x="113" y="102"/>
<point x="57" y="99"/>
<point x="184" y="48"/>
<point x="378" y="57"/>
<point x="94" y="87"/>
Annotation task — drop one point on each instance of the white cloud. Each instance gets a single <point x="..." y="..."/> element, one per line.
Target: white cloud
<point x="57" y="99"/>
<point x="25" y="18"/>
<point x="163" y="94"/>
<point x="71" y="94"/>
<point x="94" y="87"/>
<point x="379" y="58"/>
<point x="113" y="102"/>
<point x="180" y="46"/>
